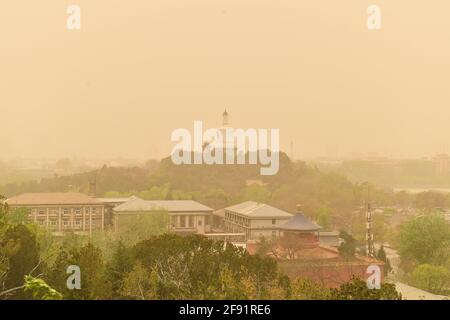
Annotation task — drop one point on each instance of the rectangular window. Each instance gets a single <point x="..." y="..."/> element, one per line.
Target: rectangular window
<point x="274" y="221"/>
<point x="191" y="221"/>
<point x="66" y="211"/>
<point x="182" y="222"/>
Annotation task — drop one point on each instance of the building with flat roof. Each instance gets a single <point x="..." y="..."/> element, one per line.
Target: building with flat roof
<point x="62" y="211"/>
<point x="185" y="216"/>
<point x="254" y="219"/>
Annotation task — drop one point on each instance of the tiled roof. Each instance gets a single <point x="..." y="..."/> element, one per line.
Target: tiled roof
<point x="113" y="200"/>
<point x="300" y="223"/>
<point x="51" y="198"/>
<point x="138" y="204"/>
<point x="258" y="210"/>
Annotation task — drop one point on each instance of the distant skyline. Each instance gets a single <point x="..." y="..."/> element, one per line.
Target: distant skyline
<point x="138" y="70"/>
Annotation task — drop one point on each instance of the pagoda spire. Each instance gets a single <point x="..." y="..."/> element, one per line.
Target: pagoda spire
<point x="225" y="121"/>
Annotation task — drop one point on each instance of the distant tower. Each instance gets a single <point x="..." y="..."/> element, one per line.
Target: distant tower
<point x="225" y="122"/>
<point x="369" y="232"/>
<point x="93" y="187"/>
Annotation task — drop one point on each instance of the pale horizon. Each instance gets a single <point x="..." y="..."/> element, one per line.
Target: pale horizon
<point x="137" y="71"/>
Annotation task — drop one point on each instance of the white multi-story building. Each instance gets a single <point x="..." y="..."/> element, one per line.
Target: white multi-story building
<point x="254" y="219"/>
<point x="185" y="216"/>
<point x="62" y="211"/>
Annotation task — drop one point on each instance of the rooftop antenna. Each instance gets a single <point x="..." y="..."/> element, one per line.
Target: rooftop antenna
<point x="369" y="232"/>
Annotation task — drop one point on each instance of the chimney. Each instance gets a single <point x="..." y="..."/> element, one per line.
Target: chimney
<point x="298" y="208"/>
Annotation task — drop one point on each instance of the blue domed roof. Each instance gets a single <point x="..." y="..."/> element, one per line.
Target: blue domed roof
<point x="300" y="223"/>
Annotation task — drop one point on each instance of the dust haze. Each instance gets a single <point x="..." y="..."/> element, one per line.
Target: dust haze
<point x="137" y="70"/>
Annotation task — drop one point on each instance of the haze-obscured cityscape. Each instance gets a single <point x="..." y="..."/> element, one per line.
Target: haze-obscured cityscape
<point x="224" y="150"/>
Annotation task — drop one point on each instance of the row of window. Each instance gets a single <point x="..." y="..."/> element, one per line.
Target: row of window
<point x="65" y="211"/>
<point x="77" y="223"/>
<point x="241" y="220"/>
<point x="248" y="232"/>
<point x="188" y="221"/>
<point x="237" y="219"/>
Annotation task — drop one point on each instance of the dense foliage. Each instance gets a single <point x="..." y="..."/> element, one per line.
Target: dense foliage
<point x="424" y="247"/>
<point x="163" y="266"/>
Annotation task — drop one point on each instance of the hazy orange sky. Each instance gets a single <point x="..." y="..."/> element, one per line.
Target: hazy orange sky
<point x="139" y="69"/>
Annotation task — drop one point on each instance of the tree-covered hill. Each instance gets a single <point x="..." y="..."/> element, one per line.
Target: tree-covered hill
<point x="214" y="185"/>
<point x="326" y="196"/>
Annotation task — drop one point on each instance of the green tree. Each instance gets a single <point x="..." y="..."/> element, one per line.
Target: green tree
<point x="420" y="239"/>
<point x="324" y="217"/>
<point x="141" y="226"/>
<point x="191" y="267"/>
<point x="230" y="287"/>
<point x="23" y="259"/>
<point x="94" y="281"/>
<point x="347" y="249"/>
<point x="121" y="263"/>
<point x="255" y="193"/>
<point x="156" y="192"/>
<point x="435" y="279"/>
<point x="381" y="255"/>
<point x="140" y="284"/>
<point x="40" y="290"/>
<point x="56" y="275"/>
<point x="356" y="289"/>
<point x="17" y="216"/>
<point x="304" y="289"/>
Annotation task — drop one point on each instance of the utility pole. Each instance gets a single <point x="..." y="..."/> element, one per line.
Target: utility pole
<point x="92" y="192"/>
<point x="369" y="233"/>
